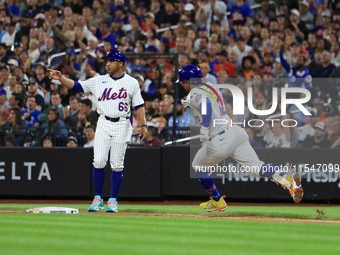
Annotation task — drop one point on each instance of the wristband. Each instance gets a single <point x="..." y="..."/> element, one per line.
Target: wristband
<point x="144" y="126"/>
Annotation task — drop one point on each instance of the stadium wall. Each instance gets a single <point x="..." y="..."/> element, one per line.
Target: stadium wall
<point x="157" y="173"/>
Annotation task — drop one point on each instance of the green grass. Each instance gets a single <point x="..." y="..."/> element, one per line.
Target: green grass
<point x="45" y="234"/>
<point x="109" y="234"/>
<point x="330" y="213"/>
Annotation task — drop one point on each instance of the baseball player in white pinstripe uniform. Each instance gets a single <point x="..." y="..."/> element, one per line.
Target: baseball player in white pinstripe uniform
<point x="223" y="141"/>
<point x="114" y="92"/>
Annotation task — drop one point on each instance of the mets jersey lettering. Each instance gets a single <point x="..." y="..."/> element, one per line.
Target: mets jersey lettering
<point x="114" y="96"/>
<point x="106" y="94"/>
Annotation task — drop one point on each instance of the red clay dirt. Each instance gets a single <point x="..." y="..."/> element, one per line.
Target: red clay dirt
<point x="165" y="202"/>
<point x="212" y="216"/>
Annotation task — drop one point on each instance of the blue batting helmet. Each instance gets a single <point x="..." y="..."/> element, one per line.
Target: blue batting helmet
<point x="115" y="55"/>
<point x="188" y="72"/>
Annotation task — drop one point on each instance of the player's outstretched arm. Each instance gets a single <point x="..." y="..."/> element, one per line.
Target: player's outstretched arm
<point x="142" y="120"/>
<point x="56" y="75"/>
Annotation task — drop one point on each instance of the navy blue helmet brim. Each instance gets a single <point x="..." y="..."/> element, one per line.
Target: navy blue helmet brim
<point x="111" y="59"/>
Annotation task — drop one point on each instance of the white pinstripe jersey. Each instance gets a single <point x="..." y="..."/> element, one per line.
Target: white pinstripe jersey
<point x="217" y="104"/>
<point x="114" y="97"/>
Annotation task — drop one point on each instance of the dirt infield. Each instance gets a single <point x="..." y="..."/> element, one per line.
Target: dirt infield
<point x="213" y="216"/>
<point x="166" y="202"/>
<point x="226" y="217"/>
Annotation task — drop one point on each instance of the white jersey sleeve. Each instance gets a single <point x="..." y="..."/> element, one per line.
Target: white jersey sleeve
<point x="137" y="98"/>
<point x="89" y="85"/>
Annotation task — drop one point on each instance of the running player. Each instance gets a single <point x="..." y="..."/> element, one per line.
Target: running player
<point x="223" y="141"/>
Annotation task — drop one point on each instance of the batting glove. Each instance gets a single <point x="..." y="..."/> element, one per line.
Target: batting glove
<point x="184" y="102"/>
<point x="204" y="134"/>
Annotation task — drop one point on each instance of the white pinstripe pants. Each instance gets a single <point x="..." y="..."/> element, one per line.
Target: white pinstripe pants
<point x="111" y="137"/>
<point x="232" y="143"/>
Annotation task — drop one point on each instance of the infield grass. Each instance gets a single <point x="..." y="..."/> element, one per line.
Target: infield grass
<point x="44" y="234"/>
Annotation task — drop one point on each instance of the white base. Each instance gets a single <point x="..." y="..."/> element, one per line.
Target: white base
<point x="52" y="210"/>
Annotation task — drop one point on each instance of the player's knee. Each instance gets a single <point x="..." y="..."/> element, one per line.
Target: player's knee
<point x="117" y="165"/>
<point x="99" y="164"/>
<point x="99" y="161"/>
<point x="195" y="165"/>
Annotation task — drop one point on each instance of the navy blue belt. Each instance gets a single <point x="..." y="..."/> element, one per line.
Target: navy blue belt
<point x="114" y="119"/>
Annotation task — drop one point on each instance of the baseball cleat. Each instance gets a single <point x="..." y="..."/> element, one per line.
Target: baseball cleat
<point x="213" y="205"/>
<point x="295" y="189"/>
<point x="97" y="204"/>
<point x="112" y="205"/>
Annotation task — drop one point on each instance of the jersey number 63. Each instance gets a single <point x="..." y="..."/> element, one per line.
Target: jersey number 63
<point x="123" y="107"/>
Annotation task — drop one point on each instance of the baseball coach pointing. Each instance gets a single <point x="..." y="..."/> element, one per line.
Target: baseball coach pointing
<point x="114" y="92"/>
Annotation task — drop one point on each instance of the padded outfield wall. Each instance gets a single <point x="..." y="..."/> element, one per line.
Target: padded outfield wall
<point x="157" y="173"/>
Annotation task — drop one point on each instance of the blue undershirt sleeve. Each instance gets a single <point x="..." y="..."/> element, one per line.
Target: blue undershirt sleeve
<point x="138" y="106"/>
<point x="77" y="87"/>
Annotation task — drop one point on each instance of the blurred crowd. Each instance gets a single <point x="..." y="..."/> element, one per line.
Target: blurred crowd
<point x="252" y="44"/>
